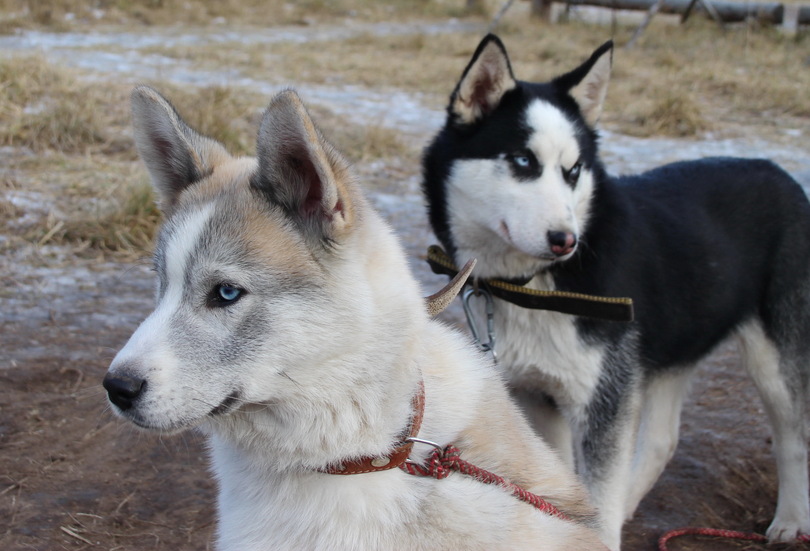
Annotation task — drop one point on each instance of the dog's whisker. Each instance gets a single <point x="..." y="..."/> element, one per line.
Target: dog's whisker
<point x="287" y="376"/>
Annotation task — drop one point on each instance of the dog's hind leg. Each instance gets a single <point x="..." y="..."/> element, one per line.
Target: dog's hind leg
<point x="658" y="432"/>
<point x="783" y="387"/>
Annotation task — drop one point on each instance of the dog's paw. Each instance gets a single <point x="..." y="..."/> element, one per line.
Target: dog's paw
<point x="788" y="530"/>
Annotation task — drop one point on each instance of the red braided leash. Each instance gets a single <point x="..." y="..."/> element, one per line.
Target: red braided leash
<point x="716" y="533"/>
<point x="442" y="462"/>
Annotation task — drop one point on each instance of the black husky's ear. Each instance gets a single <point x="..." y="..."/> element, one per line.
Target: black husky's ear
<point x="588" y="83"/>
<point x="484" y="82"/>
<point x="175" y="155"/>
<point x="301" y="172"/>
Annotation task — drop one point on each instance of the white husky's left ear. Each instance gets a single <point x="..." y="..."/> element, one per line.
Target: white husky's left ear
<point x="175" y="154"/>
<point x="301" y="172"/>
<point x="588" y="83"/>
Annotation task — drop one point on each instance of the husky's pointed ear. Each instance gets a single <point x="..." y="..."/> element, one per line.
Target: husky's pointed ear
<point x="588" y="83"/>
<point x="484" y="82"/>
<point x="175" y="155"/>
<point x="301" y="172"/>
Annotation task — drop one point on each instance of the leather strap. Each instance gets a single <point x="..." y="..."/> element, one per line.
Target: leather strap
<point x="398" y="455"/>
<point x="577" y="304"/>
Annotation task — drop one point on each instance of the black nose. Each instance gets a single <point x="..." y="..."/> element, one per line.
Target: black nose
<point x="123" y="390"/>
<point x="562" y="242"/>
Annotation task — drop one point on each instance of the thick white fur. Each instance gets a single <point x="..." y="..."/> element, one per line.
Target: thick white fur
<point x="347" y="342"/>
<point x="536" y="350"/>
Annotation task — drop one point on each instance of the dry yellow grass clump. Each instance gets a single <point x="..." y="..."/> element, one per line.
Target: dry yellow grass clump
<point x="44" y="107"/>
<point x="63" y="15"/>
<point x="677" y="81"/>
<point x="83" y="151"/>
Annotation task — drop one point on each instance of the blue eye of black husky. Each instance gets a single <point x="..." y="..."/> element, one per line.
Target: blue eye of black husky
<point x="572" y="174"/>
<point x="522" y="161"/>
<point x="524" y="165"/>
<point x="224" y="294"/>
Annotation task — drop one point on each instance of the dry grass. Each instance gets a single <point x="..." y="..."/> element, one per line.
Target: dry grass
<point x="49" y="108"/>
<point x="90" y="203"/>
<point x="125" y="224"/>
<point x="414" y="63"/>
<point x="678" y="81"/>
<point x="229" y="115"/>
<point x="63" y="15"/>
<point x="9" y="212"/>
<point x="362" y="143"/>
<point x="85" y="155"/>
<point x="44" y="107"/>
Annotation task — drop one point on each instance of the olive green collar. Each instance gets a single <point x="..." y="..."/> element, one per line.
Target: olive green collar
<point x="576" y="304"/>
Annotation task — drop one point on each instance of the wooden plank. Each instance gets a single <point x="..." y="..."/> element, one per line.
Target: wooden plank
<point x="728" y="12"/>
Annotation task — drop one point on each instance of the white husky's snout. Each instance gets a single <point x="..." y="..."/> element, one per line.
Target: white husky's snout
<point x="126" y="381"/>
<point x="149" y="385"/>
<point x="143" y="382"/>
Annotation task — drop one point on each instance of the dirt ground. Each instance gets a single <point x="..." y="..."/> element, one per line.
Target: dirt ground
<point x="73" y="477"/>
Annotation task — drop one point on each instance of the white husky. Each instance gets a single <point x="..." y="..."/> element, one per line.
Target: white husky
<point x="290" y="331"/>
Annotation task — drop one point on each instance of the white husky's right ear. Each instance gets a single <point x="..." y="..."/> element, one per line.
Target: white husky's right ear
<point x="175" y="155"/>
<point x="484" y="82"/>
<point x="301" y="172"/>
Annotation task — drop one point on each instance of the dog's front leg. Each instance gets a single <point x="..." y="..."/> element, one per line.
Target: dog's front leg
<point x="659" y="426"/>
<point x="604" y="447"/>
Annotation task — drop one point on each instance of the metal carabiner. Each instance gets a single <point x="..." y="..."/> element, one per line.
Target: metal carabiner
<point x="466" y="296"/>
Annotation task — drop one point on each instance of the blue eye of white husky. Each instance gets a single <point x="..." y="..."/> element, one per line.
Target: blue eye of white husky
<point x="224" y="294"/>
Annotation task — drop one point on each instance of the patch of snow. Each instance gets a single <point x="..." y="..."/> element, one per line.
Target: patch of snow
<point x="168" y="38"/>
<point x="35" y="206"/>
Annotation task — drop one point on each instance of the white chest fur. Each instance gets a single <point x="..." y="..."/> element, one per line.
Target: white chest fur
<point x="543" y="351"/>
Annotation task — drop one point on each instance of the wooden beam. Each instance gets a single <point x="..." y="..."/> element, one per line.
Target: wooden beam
<point x="728" y="12"/>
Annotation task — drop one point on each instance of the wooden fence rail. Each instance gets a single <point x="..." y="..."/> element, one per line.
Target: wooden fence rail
<point x="729" y="12"/>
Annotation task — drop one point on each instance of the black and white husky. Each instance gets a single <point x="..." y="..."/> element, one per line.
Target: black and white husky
<point x="706" y="249"/>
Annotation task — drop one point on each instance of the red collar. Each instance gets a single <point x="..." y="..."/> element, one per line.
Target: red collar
<point x="373" y="464"/>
